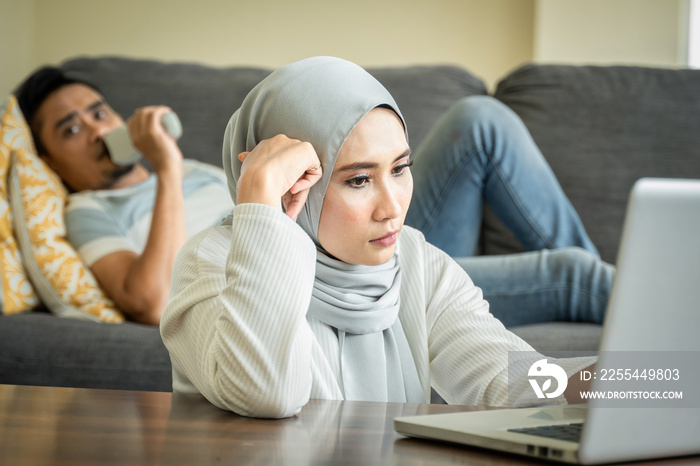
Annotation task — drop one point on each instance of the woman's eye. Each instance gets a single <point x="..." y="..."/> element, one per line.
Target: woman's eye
<point x="399" y="169"/>
<point x="358" y="182"/>
<point x="100" y="114"/>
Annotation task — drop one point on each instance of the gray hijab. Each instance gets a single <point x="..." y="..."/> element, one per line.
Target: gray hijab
<point x="320" y="100"/>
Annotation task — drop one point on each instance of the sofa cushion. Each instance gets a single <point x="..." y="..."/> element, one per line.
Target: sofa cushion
<point x="40" y="349"/>
<point x="205" y="97"/>
<point x="602" y="128"/>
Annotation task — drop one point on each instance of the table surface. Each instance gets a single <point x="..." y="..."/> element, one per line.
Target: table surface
<point x="72" y="426"/>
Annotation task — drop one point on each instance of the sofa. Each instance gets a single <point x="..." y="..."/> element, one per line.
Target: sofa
<point x="600" y="128"/>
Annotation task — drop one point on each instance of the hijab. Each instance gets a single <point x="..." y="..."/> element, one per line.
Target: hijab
<point x="320" y="100"/>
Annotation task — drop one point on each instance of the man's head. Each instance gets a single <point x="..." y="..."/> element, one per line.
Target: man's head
<point x="68" y="119"/>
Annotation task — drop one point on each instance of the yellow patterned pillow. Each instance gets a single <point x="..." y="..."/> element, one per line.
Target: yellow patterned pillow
<point x="37" y="201"/>
<point x="17" y="292"/>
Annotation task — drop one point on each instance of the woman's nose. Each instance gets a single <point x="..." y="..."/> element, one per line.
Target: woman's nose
<point x="388" y="205"/>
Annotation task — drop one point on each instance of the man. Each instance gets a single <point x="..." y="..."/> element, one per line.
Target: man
<point x="127" y="237"/>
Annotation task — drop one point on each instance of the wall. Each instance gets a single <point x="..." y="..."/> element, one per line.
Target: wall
<point x="487" y="36"/>
<point x="633" y="32"/>
<point x="17" y="51"/>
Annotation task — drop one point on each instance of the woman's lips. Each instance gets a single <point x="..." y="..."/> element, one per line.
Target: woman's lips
<point x="387" y="240"/>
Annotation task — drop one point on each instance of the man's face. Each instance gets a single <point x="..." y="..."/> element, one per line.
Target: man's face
<point x="71" y="123"/>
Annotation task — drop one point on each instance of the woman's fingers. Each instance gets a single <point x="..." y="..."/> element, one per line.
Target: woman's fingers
<point x="279" y="168"/>
<point x="293" y="203"/>
<point x="294" y="199"/>
<point x="308" y="179"/>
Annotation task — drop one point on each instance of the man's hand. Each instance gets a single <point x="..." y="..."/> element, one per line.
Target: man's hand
<point x="278" y="172"/>
<point x="151" y="139"/>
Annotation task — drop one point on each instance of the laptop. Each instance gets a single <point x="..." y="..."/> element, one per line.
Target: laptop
<point x="654" y="307"/>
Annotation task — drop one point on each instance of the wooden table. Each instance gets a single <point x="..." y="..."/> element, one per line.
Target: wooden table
<point x="71" y="426"/>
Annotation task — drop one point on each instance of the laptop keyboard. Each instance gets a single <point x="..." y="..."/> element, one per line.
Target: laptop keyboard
<point x="567" y="432"/>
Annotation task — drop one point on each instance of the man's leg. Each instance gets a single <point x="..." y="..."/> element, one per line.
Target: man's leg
<point x="568" y="284"/>
<point x="481" y="150"/>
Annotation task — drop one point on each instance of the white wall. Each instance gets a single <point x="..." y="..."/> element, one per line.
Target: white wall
<point x="17" y="35"/>
<point x="634" y="32"/>
<point x="487" y="36"/>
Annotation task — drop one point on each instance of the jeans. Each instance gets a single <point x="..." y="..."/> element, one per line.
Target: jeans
<point x="481" y="151"/>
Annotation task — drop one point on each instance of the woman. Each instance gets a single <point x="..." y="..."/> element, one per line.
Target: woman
<point x="327" y="294"/>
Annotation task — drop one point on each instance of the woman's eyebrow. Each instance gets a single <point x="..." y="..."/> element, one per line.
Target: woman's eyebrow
<point x="369" y="165"/>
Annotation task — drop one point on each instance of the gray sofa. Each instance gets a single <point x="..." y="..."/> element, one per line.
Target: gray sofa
<point x="600" y="128"/>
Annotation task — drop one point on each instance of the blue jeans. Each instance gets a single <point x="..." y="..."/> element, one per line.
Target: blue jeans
<point x="481" y="151"/>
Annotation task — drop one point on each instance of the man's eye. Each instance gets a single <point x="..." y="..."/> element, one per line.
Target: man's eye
<point x="100" y="114"/>
<point x="358" y="182"/>
<point x="71" y="130"/>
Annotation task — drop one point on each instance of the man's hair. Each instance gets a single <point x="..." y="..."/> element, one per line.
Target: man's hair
<point x="34" y="91"/>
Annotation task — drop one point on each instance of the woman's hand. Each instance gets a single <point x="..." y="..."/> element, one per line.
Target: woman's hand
<point x="278" y="172"/>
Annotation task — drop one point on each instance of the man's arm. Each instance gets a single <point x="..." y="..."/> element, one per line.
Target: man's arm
<point x="139" y="284"/>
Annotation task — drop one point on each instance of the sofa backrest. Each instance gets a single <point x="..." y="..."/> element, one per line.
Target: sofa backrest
<point x="205" y="97"/>
<point x="602" y="128"/>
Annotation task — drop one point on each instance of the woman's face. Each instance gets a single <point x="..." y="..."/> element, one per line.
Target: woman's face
<point x="369" y="192"/>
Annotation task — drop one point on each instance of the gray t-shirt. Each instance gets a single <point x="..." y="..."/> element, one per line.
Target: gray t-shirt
<point x="102" y="222"/>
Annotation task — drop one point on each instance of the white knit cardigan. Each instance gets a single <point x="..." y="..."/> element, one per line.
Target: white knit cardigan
<point x="237" y="330"/>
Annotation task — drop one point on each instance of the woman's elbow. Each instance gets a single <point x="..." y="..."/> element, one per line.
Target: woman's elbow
<point x="271" y="410"/>
<point x="273" y="401"/>
<point x="264" y="407"/>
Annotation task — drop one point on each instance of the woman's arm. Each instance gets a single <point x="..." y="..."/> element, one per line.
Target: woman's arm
<point x="235" y="325"/>
<point x="471" y="353"/>
<point x="237" y="330"/>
